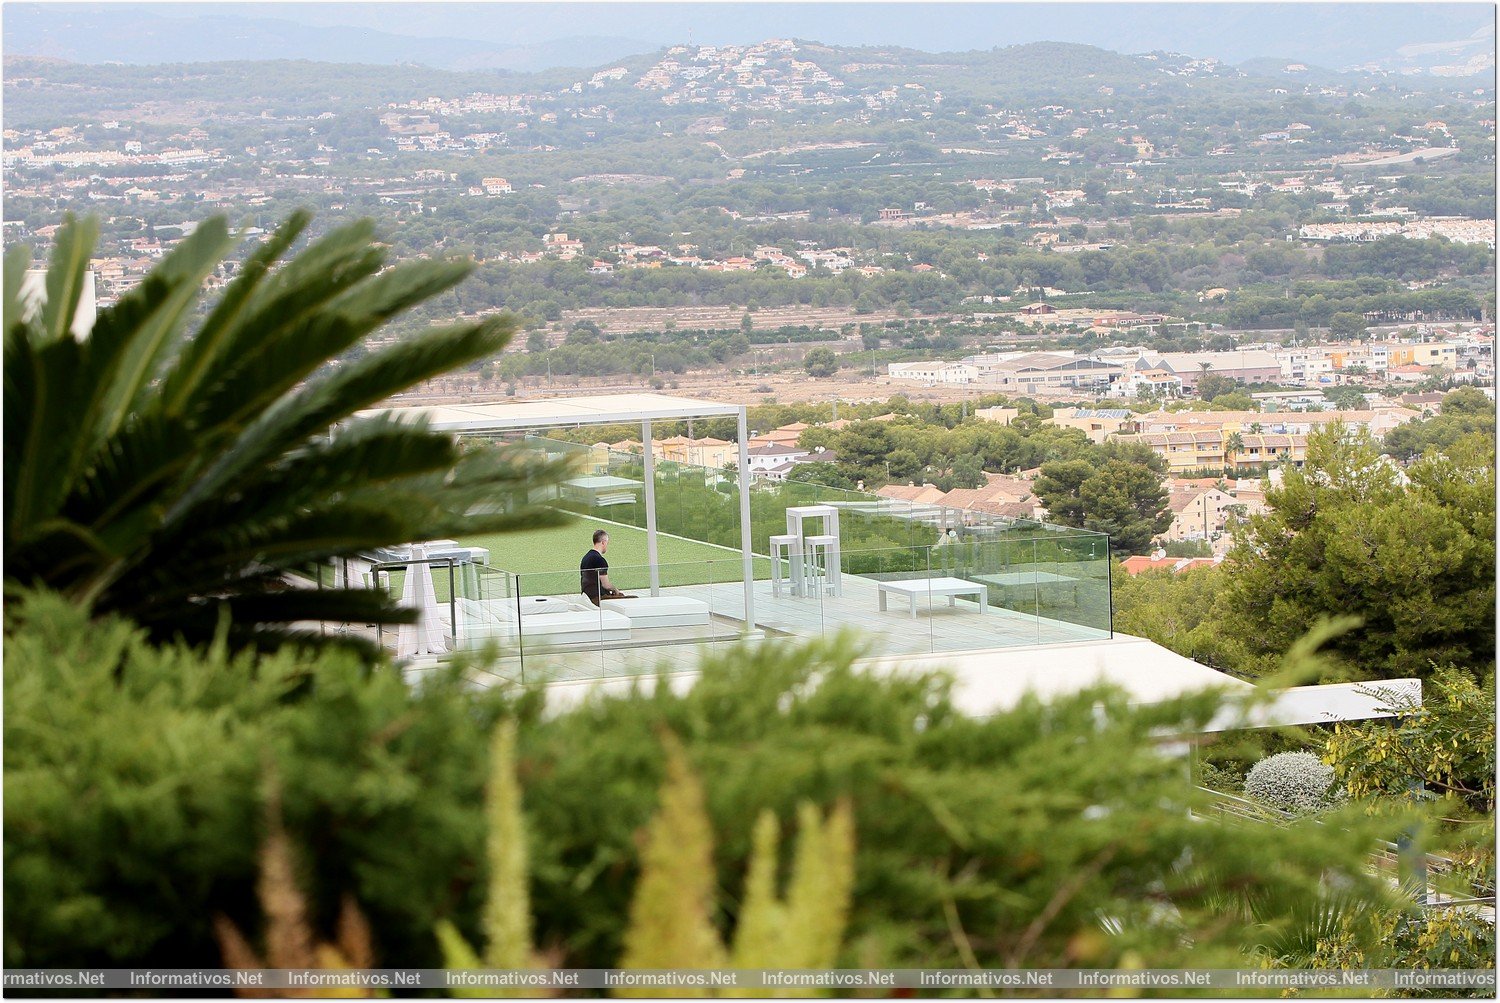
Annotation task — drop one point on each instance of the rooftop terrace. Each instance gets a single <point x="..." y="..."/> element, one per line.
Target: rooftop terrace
<point x="756" y="560"/>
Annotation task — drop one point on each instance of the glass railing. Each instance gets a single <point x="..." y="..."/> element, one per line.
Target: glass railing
<point x="967" y="595"/>
<point x="908" y="577"/>
<point x="702" y="503"/>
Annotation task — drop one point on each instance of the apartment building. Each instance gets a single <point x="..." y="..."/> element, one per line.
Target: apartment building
<point x="1307" y="366"/>
<point x="1200" y="510"/>
<point x="1377" y="421"/>
<point x="706" y="452"/>
<point x="1097" y="423"/>
<point x="1217" y="449"/>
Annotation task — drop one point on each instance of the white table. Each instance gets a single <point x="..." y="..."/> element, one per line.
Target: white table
<point x="947" y="587"/>
<point x="1036" y="580"/>
<point x="1026" y="578"/>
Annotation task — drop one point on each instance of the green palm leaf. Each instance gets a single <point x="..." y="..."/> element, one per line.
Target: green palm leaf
<point x="179" y="476"/>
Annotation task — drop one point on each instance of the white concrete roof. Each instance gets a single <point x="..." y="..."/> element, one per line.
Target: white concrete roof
<point x="996" y="679"/>
<point x="604" y="409"/>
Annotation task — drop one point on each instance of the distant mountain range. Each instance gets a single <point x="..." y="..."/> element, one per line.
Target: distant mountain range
<point x="1444" y="40"/>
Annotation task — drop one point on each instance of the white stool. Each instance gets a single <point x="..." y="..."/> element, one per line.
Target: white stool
<point x="825" y="572"/>
<point x="790" y="546"/>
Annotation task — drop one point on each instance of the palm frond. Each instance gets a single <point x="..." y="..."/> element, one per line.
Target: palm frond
<point x="292" y="420"/>
<point x="65" y="276"/>
<point x="17" y="260"/>
<point x="141" y="354"/>
<point x="178" y="476"/>
<point x="214" y="338"/>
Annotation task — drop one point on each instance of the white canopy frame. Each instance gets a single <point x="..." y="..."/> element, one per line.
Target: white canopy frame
<point x="605" y="409"/>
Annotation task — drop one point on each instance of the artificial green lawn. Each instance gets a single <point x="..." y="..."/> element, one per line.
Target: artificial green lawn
<point x="559" y="549"/>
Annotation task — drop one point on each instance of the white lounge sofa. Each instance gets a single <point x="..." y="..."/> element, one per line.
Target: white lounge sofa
<point x="544" y="620"/>
<point x="660" y="611"/>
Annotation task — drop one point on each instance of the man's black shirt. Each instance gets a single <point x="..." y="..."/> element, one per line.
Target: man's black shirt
<point x="590" y="568"/>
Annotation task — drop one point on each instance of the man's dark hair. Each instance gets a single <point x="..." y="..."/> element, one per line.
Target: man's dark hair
<point x="600" y="534"/>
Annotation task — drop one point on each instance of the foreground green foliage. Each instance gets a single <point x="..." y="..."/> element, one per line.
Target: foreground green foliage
<point x="175" y="471"/>
<point x="1441" y="753"/>
<point x="1048" y="835"/>
<point x="133" y="778"/>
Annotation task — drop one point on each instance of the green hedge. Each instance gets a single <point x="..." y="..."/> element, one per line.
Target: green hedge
<point x="134" y="777"/>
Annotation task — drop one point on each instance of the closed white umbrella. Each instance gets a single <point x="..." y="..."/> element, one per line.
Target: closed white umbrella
<point x="426" y="636"/>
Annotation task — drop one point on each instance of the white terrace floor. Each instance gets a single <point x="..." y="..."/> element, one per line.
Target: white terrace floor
<point x="936" y="628"/>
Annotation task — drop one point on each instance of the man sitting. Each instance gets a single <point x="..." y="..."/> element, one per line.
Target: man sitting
<point x="593" y="572"/>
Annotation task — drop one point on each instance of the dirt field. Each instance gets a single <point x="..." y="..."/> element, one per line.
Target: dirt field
<point x="628" y="320"/>
<point x="783" y="388"/>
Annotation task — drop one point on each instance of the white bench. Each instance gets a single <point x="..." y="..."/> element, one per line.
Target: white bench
<point x="555" y="621"/>
<point x="947" y="587"/>
<point x="659" y="611"/>
<point x="591" y="627"/>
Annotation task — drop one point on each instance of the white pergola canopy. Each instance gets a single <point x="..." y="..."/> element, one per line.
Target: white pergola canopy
<point x="604" y="409"/>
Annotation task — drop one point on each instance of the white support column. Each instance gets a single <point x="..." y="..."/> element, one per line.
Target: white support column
<point x="650" y="507"/>
<point x="746" y="555"/>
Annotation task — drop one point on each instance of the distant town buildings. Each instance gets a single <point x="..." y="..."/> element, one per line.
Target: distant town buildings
<point x="1458" y="230"/>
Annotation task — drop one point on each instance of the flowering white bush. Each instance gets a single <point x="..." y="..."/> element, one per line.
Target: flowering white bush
<point x="1291" y="781"/>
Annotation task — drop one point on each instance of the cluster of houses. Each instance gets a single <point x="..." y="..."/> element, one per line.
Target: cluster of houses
<point x="1246" y="440"/>
<point x="1458" y="229"/>
<point x="772" y="455"/>
<point x="768" y="75"/>
<point x="1139" y="372"/>
<point x="73" y="147"/>
<point x="1219" y="463"/>
<point x="1202" y="508"/>
<point x="627" y="255"/>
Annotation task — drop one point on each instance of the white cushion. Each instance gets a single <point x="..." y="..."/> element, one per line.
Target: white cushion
<point x="567" y="628"/>
<point x="535" y="605"/>
<point x="482" y="620"/>
<point x="660" y="611"/>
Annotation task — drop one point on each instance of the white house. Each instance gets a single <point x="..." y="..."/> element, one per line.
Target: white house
<point x="933" y="371"/>
<point x="766" y="458"/>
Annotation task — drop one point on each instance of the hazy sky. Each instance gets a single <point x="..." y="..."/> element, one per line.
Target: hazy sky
<point x="1341" y="33"/>
<point x="1239" y="30"/>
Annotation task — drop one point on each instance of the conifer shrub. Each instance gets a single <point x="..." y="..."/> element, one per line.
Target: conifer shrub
<point x="1051" y="834"/>
<point x="135" y="788"/>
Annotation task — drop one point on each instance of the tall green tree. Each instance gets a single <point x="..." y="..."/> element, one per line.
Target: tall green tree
<point x="1465" y="412"/>
<point x="1347" y="324"/>
<point x="1184" y="612"/>
<point x="1411" y="553"/>
<point x="175" y="470"/>
<point x="1211" y="385"/>
<point x="1122" y="498"/>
